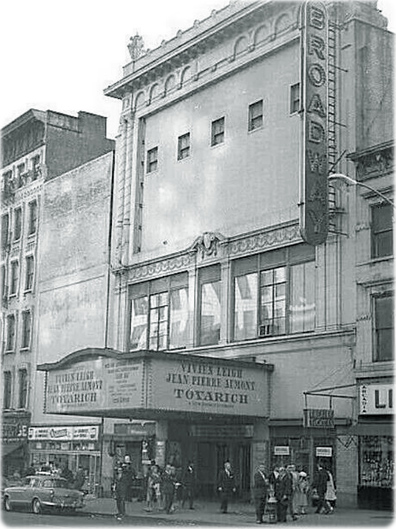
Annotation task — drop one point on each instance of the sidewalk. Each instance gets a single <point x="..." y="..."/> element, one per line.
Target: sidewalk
<point x="239" y="515"/>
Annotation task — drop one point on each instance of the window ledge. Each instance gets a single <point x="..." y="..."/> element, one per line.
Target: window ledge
<point x="25" y="349"/>
<point x="376" y="260"/>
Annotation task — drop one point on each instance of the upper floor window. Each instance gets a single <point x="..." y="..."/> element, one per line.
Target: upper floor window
<point x="384" y="325"/>
<point x="14" y="277"/>
<point x="255" y="115"/>
<point x="10" y="336"/>
<point x="17" y="223"/>
<point x="294" y="98"/>
<point x="26" y="329"/>
<point x="209" y="305"/>
<point x="274" y="293"/>
<point x="5" y="224"/>
<point x="7" y="391"/>
<point x="36" y="166"/>
<point x="152" y="159"/>
<point x="183" y="146"/>
<point x="217" y="131"/>
<point x="381" y="231"/>
<point x="3" y="282"/>
<point x="29" y="273"/>
<point x="23" y="388"/>
<point x="32" y="217"/>
<point x="159" y="314"/>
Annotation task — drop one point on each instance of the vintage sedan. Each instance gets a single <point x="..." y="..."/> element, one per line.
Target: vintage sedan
<point x="42" y="492"/>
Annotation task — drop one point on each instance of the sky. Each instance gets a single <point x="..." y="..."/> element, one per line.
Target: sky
<point x="60" y="55"/>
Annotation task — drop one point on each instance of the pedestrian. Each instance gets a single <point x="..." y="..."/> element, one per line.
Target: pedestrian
<point x="130" y="475"/>
<point x="330" y="495"/>
<point x="120" y="488"/>
<point x="168" y="488"/>
<point x="283" y="493"/>
<point x="226" y="486"/>
<point x="153" y="488"/>
<point x="291" y="469"/>
<point x="272" y="478"/>
<point x="79" y="479"/>
<point x="260" y="492"/>
<point x="65" y="473"/>
<point x="30" y="471"/>
<point x="320" y="484"/>
<point x="188" y="483"/>
<point x="301" y="494"/>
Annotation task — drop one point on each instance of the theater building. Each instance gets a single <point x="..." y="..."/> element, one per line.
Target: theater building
<point x="233" y="307"/>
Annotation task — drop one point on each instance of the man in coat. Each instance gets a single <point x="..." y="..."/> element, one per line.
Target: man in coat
<point x="260" y="491"/>
<point x="188" y="481"/>
<point x="283" y="493"/>
<point x="226" y="486"/>
<point x="320" y="484"/>
<point x="121" y="490"/>
<point x="168" y="488"/>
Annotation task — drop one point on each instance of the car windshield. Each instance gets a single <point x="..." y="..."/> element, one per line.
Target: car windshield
<point x="55" y="483"/>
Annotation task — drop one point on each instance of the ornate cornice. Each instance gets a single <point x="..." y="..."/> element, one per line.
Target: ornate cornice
<point x="374" y="162"/>
<point x="265" y="240"/>
<point x="160" y="268"/>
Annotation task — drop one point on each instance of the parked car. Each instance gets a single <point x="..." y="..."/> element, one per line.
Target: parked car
<point x="42" y="492"/>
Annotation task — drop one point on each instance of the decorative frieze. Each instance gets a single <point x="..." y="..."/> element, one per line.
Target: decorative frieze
<point x="266" y="240"/>
<point x="160" y="268"/>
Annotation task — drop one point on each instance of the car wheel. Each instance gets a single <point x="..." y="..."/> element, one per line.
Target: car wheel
<point x="36" y="506"/>
<point x="7" y="504"/>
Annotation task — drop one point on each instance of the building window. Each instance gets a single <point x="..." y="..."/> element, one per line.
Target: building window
<point x="26" y="329"/>
<point x="10" y="337"/>
<point x="384" y="334"/>
<point x="36" y="166"/>
<point x="274" y="293"/>
<point x="5" y="222"/>
<point x="183" y="146"/>
<point x="17" y="224"/>
<point x="23" y="388"/>
<point x="32" y="217"/>
<point x="29" y="275"/>
<point x="3" y="283"/>
<point x="159" y="314"/>
<point x="217" y="131"/>
<point x="209" y="305"/>
<point x="14" y="278"/>
<point x="295" y="98"/>
<point x="7" y="392"/>
<point x="381" y="231"/>
<point x="152" y="159"/>
<point x="20" y="172"/>
<point x="256" y="115"/>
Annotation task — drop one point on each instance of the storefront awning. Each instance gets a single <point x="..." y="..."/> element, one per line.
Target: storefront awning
<point x="152" y="385"/>
<point x="8" y="448"/>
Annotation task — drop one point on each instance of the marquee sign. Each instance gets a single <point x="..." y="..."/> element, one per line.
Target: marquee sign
<point x="313" y="175"/>
<point x="146" y="384"/>
<point x="318" y="418"/>
<point x="376" y="399"/>
<point x="64" y="433"/>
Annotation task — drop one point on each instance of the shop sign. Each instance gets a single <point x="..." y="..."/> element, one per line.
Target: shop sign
<point x="324" y="451"/>
<point x="314" y="187"/>
<point x="281" y="450"/>
<point x="318" y="418"/>
<point x="14" y="429"/>
<point x="64" y="433"/>
<point x="221" y="431"/>
<point x="167" y="382"/>
<point x="376" y="399"/>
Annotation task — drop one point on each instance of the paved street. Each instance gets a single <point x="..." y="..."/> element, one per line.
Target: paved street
<point x="100" y="512"/>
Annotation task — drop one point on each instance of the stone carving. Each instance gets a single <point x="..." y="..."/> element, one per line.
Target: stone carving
<point x="136" y="47"/>
<point x="207" y="243"/>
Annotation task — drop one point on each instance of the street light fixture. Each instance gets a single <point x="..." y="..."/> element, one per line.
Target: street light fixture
<point x="350" y="181"/>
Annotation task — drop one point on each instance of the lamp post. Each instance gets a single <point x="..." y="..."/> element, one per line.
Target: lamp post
<point x="350" y="181"/>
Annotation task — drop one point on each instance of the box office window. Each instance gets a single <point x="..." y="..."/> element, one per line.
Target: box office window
<point x="159" y="314"/>
<point x="209" y="313"/>
<point x="381" y="231"/>
<point x="274" y="293"/>
<point x="384" y="328"/>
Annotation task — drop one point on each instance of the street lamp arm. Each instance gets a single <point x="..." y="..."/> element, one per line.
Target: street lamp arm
<point x="351" y="181"/>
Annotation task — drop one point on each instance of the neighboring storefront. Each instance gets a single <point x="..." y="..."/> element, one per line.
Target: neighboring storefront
<point x="15" y="454"/>
<point x="376" y="445"/>
<point x="74" y="446"/>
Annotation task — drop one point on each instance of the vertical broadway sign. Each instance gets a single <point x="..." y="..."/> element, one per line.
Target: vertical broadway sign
<point x="313" y="176"/>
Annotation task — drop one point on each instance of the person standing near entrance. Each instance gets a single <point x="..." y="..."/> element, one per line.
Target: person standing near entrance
<point x="320" y="484"/>
<point x="260" y="492"/>
<point x="188" y="482"/>
<point x="226" y="486"/>
<point x="168" y="488"/>
<point x="283" y="493"/>
<point x="121" y="486"/>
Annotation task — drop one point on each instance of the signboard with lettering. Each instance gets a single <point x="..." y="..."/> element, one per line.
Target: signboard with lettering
<point x="64" y="433"/>
<point x="281" y="450"/>
<point x="15" y="429"/>
<point x="318" y="418"/>
<point x="147" y="384"/>
<point x="376" y="399"/>
<point x="314" y="216"/>
<point x="324" y="451"/>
